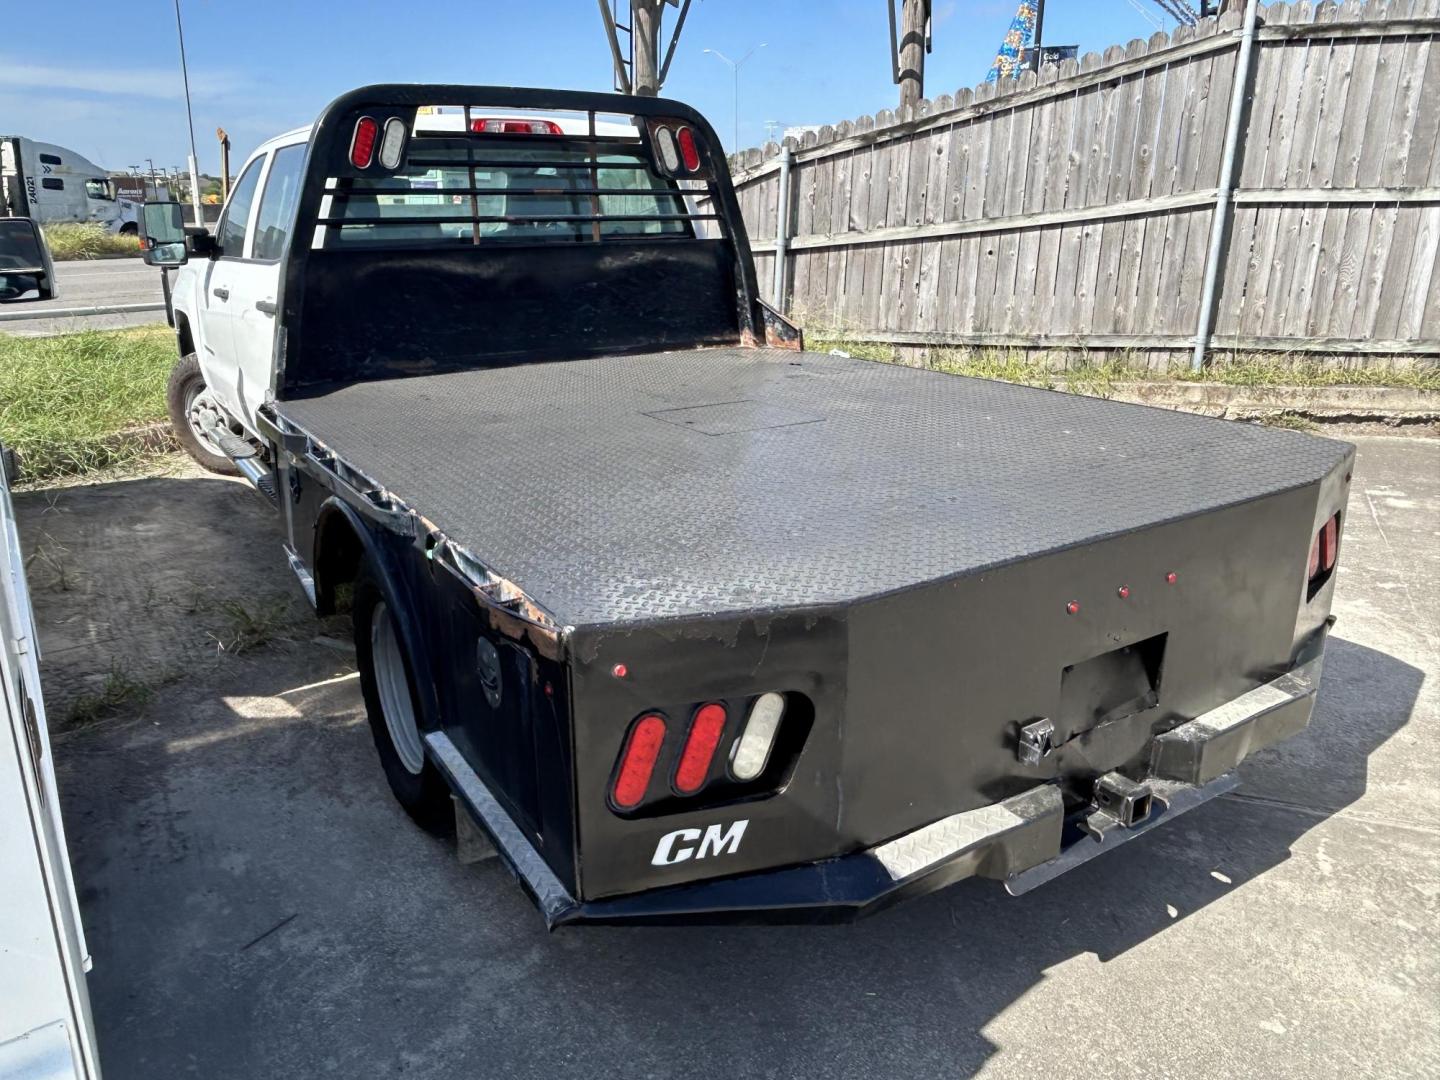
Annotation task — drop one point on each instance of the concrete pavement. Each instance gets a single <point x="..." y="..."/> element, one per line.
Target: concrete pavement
<point x="87" y="284"/>
<point x="258" y="906"/>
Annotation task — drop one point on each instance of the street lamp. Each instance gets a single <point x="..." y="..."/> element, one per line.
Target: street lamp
<point x="190" y="118"/>
<point x="735" y="66"/>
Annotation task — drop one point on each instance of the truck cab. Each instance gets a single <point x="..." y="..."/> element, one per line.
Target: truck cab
<point x="54" y="184"/>
<point x="224" y="305"/>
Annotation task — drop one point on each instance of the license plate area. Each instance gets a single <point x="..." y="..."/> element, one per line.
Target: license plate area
<point x="1112" y="686"/>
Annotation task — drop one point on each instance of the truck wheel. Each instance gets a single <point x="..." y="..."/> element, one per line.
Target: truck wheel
<point x="388" y="688"/>
<point x="188" y="400"/>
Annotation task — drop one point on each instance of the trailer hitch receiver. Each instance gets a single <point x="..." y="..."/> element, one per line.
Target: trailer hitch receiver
<point x="1120" y="799"/>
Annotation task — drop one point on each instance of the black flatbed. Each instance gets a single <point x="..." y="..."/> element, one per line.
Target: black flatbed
<point x="633" y="488"/>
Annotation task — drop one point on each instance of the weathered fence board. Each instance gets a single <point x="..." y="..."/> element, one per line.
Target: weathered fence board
<point x="1073" y="208"/>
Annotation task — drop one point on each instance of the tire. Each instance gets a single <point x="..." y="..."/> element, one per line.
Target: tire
<point x="388" y="687"/>
<point x="130" y="229"/>
<point x="186" y="385"/>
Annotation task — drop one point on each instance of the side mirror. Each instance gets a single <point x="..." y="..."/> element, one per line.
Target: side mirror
<point x="162" y="234"/>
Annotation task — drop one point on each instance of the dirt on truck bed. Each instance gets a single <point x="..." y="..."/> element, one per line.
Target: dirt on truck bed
<point x="627" y="488"/>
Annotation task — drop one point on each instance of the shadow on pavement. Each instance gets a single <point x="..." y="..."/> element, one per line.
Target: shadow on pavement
<point x="258" y="906"/>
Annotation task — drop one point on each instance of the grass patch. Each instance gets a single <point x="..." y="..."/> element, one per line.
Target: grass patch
<point x="71" y="404"/>
<point x="1100" y="378"/>
<point x="1290" y="421"/>
<point x="119" y="690"/>
<point x="85" y="240"/>
<point x="253" y="626"/>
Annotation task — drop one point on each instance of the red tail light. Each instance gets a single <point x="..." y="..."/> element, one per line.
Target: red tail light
<point x="491" y="125"/>
<point x="1329" y="542"/>
<point x="362" y="143"/>
<point x="705" y="732"/>
<point x="689" y="152"/>
<point x="1323" y="552"/>
<point x="637" y="763"/>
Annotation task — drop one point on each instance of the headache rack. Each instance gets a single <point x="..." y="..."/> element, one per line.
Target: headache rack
<point x="609" y="226"/>
<point x="584" y="165"/>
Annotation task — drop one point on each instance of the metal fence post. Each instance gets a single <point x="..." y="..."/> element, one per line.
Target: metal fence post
<point x="782" y="229"/>
<point x="1225" y="193"/>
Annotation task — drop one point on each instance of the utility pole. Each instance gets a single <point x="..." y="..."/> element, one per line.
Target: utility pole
<point x="1038" y="52"/>
<point x="644" y="72"/>
<point x="224" y="163"/>
<point x="914" y="43"/>
<point x="645" y="37"/>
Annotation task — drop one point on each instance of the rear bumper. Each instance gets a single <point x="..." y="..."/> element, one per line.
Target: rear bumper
<point x="1023" y="841"/>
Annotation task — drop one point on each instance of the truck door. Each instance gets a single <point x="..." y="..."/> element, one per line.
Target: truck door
<point x="257" y="280"/>
<point x="45" y="1027"/>
<point x="223" y="291"/>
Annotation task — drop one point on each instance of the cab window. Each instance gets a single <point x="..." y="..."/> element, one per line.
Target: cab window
<point x="99" y="189"/>
<point x="277" y="203"/>
<point x="230" y="233"/>
<point x="523" y="191"/>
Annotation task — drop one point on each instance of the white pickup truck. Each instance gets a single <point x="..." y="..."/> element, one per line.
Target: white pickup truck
<point x="224" y="306"/>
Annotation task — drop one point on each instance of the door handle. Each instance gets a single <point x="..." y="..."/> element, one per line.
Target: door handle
<point x="265" y="306"/>
<point x="223" y="294"/>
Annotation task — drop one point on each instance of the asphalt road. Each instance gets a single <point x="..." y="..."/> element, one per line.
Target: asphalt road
<point x="257" y="906"/>
<point x="84" y="285"/>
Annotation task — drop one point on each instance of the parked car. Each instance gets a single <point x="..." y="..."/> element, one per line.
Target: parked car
<point x="692" y="622"/>
<point x="26" y="270"/>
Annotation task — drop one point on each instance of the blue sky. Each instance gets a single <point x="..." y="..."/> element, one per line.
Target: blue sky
<point x="104" y="79"/>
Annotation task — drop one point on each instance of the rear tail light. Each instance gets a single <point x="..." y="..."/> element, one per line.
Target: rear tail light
<point x="705" y="732"/>
<point x="1329" y="542"/>
<point x="712" y="761"/>
<point x="678" y="150"/>
<point x="1323" y="552"/>
<point x="669" y="152"/>
<point x="392" y="143"/>
<point x="362" y="143"/>
<point x="689" y="152"/>
<point x="637" y="763"/>
<point x="492" y="125"/>
<point x="752" y="749"/>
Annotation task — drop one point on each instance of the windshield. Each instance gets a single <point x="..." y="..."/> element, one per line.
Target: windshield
<point x="495" y="189"/>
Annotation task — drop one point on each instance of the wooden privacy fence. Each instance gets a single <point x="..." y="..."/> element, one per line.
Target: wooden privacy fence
<point x="1074" y="209"/>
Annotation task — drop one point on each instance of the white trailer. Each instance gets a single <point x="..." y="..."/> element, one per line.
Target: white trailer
<point x="45" y="1028"/>
<point x="53" y="184"/>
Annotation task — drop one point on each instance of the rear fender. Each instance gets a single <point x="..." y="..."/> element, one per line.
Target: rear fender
<point x="337" y="524"/>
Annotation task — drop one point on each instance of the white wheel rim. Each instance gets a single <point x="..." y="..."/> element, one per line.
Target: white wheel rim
<point x="200" y="404"/>
<point x="393" y="688"/>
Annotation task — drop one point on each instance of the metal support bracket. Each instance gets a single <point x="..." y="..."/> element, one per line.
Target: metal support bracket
<point x="1035" y="742"/>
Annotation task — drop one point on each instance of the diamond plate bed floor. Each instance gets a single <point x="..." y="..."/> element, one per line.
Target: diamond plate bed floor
<point x="630" y="488"/>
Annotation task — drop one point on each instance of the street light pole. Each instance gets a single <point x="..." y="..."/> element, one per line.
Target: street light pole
<point x="735" y="66"/>
<point x="190" y="118"/>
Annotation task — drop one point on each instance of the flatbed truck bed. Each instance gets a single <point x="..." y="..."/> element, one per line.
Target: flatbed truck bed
<point x="690" y="622"/>
<point x="622" y="489"/>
